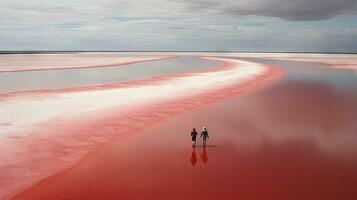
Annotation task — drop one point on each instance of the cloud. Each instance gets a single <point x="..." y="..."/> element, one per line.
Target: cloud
<point x="177" y="25"/>
<point x="60" y="10"/>
<point x="296" y="10"/>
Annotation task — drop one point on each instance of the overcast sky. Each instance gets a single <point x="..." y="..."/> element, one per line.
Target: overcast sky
<point x="231" y="25"/>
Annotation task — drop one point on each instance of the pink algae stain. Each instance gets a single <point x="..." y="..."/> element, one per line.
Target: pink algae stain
<point x="124" y="84"/>
<point x="345" y="66"/>
<point x="245" y="159"/>
<point x="68" y="141"/>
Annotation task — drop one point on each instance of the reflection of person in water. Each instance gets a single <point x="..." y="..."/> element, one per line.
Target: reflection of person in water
<point x="204" y="157"/>
<point x="204" y="135"/>
<point x="193" y="157"/>
<point x="194" y="135"/>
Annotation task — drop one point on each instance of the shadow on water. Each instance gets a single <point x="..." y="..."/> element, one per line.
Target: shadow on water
<point x="193" y="157"/>
<point x="203" y="155"/>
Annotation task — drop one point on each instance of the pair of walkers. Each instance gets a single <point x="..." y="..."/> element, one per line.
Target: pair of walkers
<point x="204" y="136"/>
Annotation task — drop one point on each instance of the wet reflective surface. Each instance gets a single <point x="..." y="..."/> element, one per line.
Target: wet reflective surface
<point x="203" y="155"/>
<point x="294" y="139"/>
<point x="67" y="78"/>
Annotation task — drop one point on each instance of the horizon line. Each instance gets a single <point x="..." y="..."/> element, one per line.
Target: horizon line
<point x="195" y="51"/>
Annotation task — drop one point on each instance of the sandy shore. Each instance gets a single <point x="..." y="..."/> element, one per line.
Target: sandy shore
<point x="74" y="121"/>
<point x="293" y="139"/>
<point x="36" y="62"/>
<point x="336" y="61"/>
<point x="33" y="62"/>
<point x="262" y="145"/>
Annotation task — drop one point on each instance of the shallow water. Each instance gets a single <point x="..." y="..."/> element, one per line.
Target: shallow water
<point x="293" y="139"/>
<point x="68" y="78"/>
<point x="342" y="79"/>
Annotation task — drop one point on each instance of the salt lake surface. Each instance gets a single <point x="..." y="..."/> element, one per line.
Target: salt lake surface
<point x="295" y="138"/>
<point x="67" y="78"/>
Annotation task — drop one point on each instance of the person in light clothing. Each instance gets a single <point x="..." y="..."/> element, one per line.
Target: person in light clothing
<point x="204" y="135"/>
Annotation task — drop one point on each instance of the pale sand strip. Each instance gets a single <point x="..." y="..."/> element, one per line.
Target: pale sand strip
<point x="336" y="61"/>
<point x="30" y="142"/>
<point x="35" y="62"/>
<point x="20" y="112"/>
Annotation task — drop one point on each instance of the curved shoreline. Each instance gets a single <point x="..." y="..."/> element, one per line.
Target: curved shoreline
<point x="93" y="66"/>
<point x="261" y="146"/>
<point x="143" y="117"/>
<point x="121" y="84"/>
<point x="333" y="61"/>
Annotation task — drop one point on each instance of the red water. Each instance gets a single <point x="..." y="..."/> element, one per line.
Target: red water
<point x="68" y="140"/>
<point x="293" y="140"/>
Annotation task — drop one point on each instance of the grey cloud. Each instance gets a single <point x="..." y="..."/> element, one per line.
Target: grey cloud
<point x="296" y="10"/>
<point x="300" y="10"/>
<point x="185" y="25"/>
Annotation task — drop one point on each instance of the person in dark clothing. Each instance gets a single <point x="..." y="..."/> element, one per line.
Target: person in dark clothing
<point x="204" y="135"/>
<point x="194" y="135"/>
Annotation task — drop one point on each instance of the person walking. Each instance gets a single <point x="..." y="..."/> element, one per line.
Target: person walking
<point x="194" y="135"/>
<point x="204" y="135"/>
